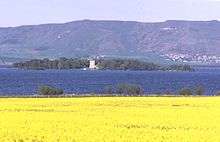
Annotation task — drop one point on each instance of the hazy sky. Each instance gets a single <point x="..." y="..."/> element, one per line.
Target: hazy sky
<point x="25" y="12"/>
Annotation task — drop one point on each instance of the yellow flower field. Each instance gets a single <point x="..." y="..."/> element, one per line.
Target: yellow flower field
<point x="144" y="119"/>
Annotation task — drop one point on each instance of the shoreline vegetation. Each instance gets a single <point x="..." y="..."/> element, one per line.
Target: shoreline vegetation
<point x="126" y="90"/>
<point x="104" y="96"/>
<point x="102" y="64"/>
<point x="121" y="90"/>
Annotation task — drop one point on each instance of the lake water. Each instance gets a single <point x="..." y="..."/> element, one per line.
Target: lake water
<point x="26" y="82"/>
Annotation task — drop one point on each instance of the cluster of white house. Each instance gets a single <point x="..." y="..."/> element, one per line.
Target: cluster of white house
<point x="193" y="58"/>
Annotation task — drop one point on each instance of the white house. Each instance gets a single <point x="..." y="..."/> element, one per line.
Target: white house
<point x="92" y="64"/>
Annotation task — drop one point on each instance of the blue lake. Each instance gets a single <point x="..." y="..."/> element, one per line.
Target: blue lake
<point x="26" y="82"/>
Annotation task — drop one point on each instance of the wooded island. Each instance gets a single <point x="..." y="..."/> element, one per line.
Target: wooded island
<point x="102" y="64"/>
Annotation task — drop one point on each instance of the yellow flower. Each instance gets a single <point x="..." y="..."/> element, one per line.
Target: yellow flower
<point x="128" y="119"/>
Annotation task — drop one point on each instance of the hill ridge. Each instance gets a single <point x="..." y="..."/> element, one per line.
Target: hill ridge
<point x="194" y="41"/>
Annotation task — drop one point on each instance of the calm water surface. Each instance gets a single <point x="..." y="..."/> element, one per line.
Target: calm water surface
<point x="26" y="82"/>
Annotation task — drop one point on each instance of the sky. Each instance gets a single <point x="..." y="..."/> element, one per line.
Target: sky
<point x="29" y="12"/>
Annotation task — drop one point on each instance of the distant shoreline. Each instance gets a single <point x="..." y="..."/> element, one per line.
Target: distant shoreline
<point x="102" y="96"/>
<point x="76" y="95"/>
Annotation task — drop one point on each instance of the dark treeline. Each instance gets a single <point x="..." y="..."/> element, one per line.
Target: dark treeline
<point x="104" y="64"/>
<point x="178" y="68"/>
<point x="62" y="63"/>
<point x="126" y="89"/>
<point x="128" y="64"/>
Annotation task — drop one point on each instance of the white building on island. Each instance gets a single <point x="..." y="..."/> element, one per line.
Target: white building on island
<point x="92" y="64"/>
